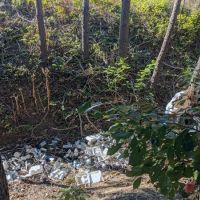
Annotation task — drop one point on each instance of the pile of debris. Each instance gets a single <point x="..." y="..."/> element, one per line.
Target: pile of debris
<point x="54" y="160"/>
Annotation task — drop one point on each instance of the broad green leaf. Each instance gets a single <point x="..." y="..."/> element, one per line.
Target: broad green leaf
<point x="112" y="150"/>
<point x="137" y="182"/>
<point x="84" y="107"/>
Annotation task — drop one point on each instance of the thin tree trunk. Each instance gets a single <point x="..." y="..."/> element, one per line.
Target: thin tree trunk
<point x="85" y="30"/>
<point x="42" y="33"/>
<point x="165" y="45"/>
<point x="4" y="195"/>
<point x="196" y="74"/>
<point x="124" y="29"/>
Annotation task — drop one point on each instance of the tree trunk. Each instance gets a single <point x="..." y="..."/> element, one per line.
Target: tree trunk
<point x="124" y="29"/>
<point x="85" y="30"/>
<point x="42" y="34"/>
<point x="165" y="45"/>
<point x="4" y="195"/>
<point x="196" y="74"/>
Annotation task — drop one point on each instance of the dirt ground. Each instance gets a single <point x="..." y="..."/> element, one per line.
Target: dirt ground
<point x="115" y="186"/>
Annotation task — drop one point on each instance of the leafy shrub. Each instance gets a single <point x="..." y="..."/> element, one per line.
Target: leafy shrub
<point x="73" y="193"/>
<point x="143" y="75"/>
<point x="117" y="74"/>
<point x="166" y="151"/>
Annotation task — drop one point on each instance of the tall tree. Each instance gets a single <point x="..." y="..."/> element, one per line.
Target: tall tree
<point x="4" y="195"/>
<point x="166" y="41"/>
<point x="85" y="29"/>
<point x="196" y="74"/>
<point x="42" y="33"/>
<point x="124" y="28"/>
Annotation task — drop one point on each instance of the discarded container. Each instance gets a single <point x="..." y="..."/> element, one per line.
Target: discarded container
<point x="89" y="178"/>
<point x="34" y="170"/>
<point x="94" y="151"/>
<point x="42" y="144"/>
<point x="59" y="174"/>
<point x="11" y="176"/>
<point x="93" y="138"/>
<point x="17" y="154"/>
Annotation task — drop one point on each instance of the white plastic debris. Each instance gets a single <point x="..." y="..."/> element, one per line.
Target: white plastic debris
<point x="94" y="151"/>
<point x="88" y="178"/>
<point x="170" y="109"/>
<point x="11" y="176"/>
<point x="69" y="154"/>
<point x="59" y="174"/>
<point x="93" y="138"/>
<point x="42" y="144"/>
<point x="5" y="165"/>
<point x="17" y="154"/>
<point x="76" y="152"/>
<point x="34" y="170"/>
<point x="67" y="146"/>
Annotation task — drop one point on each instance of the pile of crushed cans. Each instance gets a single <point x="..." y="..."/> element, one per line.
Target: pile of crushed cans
<point x="54" y="159"/>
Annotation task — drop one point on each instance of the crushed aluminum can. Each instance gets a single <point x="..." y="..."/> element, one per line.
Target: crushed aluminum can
<point x="94" y="151"/>
<point x="11" y="176"/>
<point x="17" y="154"/>
<point x="67" y="146"/>
<point x="42" y="144"/>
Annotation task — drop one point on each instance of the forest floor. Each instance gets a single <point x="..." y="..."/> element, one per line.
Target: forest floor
<point x="115" y="186"/>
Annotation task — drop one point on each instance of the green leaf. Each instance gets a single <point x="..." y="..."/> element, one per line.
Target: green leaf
<point x="84" y="107"/>
<point x="136" y="171"/>
<point x="170" y="154"/>
<point x="112" y="150"/>
<point x="137" y="182"/>
<point x="121" y="135"/>
<point x="94" y="105"/>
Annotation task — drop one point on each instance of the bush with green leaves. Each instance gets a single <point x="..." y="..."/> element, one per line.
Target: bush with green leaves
<point x="117" y="74"/>
<point x="156" y="146"/>
<point x="73" y="193"/>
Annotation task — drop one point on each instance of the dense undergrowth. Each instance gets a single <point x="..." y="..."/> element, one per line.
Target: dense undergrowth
<point x="105" y="77"/>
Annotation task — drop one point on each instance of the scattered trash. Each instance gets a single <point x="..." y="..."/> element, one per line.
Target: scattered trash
<point x="55" y="159"/>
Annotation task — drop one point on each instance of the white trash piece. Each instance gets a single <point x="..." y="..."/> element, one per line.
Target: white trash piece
<point x="67" y="146"/>
<point x="34" y="170"/>
<point x="94" y="151"/>
<point x="17" y="154"/>
<point x="59" y="174"/>
<point x="42" y="144"/>
<point x="88" y="178"/>
<point x="93" y="138"/>
<point x="11" y="176"/>
<point x="5" y="165"/>
<point x="170" y="109"/>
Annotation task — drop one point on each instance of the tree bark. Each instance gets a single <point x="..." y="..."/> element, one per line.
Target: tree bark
<point x="124" y="29"/>
<point x="85" y="30"/>
<point x="166" y="41"/>
<point x="42" y="34"/>
<point x="4" y="195"/>
<point x="196" y="74"/>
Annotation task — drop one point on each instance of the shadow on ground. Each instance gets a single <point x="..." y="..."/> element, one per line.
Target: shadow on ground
<point x="142" y="194"/>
